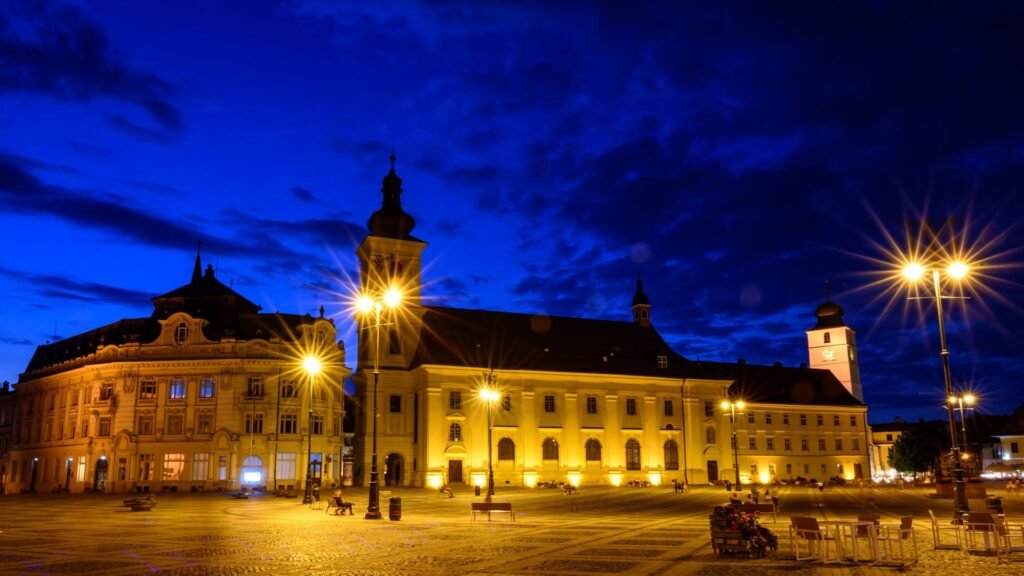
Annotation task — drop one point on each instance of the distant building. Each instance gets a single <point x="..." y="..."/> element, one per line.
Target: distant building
<point x="7" y="408"/>
<point x="205" y="393"/>
<point x="584" y="400"/>
<point x="883" y="436"/>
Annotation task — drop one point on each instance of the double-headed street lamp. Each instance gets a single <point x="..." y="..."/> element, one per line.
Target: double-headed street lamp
<point x="312" y="366"/>
<point x="368" y="305"/>
<point x="489" y="395"/>
<point x="732" y="406"/>
<point x="957" y="270"/>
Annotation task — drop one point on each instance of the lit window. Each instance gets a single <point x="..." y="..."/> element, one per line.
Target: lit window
<point x="147" y="390"/>
<point x="455" y="432"/>
<point x="181" y="333"/>
<point x="200" y="466"/>
<point x="176" y="389"/>
<point x="207" y="388"/>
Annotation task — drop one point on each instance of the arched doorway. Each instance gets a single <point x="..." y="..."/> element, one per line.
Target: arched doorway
<point x="393" y="470"/>
<point x="252" y="471"/>
<point x="99" y="482"/>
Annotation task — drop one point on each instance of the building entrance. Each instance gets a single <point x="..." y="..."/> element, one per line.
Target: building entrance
<point x="454" y="471"/>
<point x="712" y="471"/>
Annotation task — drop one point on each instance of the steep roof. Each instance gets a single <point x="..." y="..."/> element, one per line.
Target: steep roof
<point x="511" y="341"/>
<point x="202" y="296"/>
<point x="776" y="384"/>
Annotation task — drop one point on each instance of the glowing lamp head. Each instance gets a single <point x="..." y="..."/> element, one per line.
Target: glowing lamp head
<point x="488" y="395"/>
<point x="311" y="364"/>
<point x="913" y="271"/>
<point x="392" y="298"/>
<point x="958" y="270"/>
<point x="741" y="404"/>
<point x="725" y="404"/>
<point x="969" y="399"/>
<point x="364" y="304"/>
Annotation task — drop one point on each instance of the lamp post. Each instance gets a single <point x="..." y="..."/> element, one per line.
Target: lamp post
<point x="311" y="364"/>
<point x="731" y="407"/>
<point x="370" y="305"/>
<point x="960" y="401"/>
<point x="957" y="270"/>
<point x="489" y="395"/>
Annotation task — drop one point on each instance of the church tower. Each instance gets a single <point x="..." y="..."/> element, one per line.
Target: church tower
<point x="832" y="345"/>
<point x="641" y="305"/>
<point x="390" y="257"/>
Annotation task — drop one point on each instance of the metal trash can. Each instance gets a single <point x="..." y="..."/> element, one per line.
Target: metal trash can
<point x="394" y="508"/>
<point x="476" y="490"/>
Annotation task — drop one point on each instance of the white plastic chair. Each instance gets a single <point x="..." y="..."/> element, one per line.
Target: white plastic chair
<point x="806" y="529"/>
<point x="938" y="529"/>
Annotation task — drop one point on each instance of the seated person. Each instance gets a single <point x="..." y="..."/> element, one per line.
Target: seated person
<point x="446" y="491"/>
<point x="340" y="503"/>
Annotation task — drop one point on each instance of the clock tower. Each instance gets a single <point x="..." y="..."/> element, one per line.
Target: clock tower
<point x="832" y="345"/>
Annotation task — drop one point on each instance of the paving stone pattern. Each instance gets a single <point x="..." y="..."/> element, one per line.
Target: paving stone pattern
<point x="616" y="531"/>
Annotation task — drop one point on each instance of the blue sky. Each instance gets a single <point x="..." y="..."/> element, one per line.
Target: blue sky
<point x="737" y="155"/>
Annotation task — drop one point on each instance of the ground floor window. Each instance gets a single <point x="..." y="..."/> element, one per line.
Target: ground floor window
<point x="632" y="454"/>
<point x="174" y="466"/>
<point x="286" y="466"/>
<point x="146" y="462"/>
<point x="80" y="476"/>
<point x="222" y="467"/>
<point x="200" y="466"/>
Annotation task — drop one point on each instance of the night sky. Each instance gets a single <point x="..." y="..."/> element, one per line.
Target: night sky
<point x="736" y="154"/>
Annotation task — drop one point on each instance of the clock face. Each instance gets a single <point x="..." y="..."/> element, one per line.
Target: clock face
<point x="828" y="354"/>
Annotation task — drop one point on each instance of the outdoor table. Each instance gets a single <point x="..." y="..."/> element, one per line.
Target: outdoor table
<point x="847" y="529"/>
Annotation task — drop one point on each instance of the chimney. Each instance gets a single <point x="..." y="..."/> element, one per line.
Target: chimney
<point x="7" y="386"/>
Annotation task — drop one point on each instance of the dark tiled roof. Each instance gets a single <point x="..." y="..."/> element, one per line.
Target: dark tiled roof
<point x="203" y="296"/>
<point x="504" y="340"/>
<point x="776" y="384"/>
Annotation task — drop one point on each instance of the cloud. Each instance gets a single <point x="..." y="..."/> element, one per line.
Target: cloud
<point x="303" y="194"/>
<point x="56" y="50"/>
<point x="132" y="129"/>
<point x="63" y="288"/>
<point x="15" y="341"/>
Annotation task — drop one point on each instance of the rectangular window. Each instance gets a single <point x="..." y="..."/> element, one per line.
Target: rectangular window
<point x="455" y="400"/>
<point x="787" y="444"/>
<point x="85" y="427"/>
<point x="336" y="424"/>
<point x="668" y="408"/>
<point x="752" y="442"/>
<point x="591" y="404"/>
<point x="174" y="467"/>
<point x="753" y="470"/>
<point x="80" y="475"/>
<point x="768" y="418"/>
<point x="839" y="444"/>
<point x="804" y="445"/>
<point x="176" y="390"/>
<point x="254" y="423"/>
<point x="200" y="466"/>
<point x="789" y="469"/>
<point x="855" y="444"/>
<point x="1013" y="447"/>
<point x="288" y="389"/>
<point x="821" y="420"/>
<point x="395" y="403"/>
<point x="286" y="466"/>
<point x="106" y="391"/>
<point x="222" y="467"/>
<point x="853" y="421"/>
<point x="824" y="469"/>
<point x="506" y="402"/>
<point x="146" y="464"/>
<point x="769" y="444"/>
<point x="709" y="408"/>
<point x="631" y="406"/>
<point x="750" y="417"/>
<point x="255" y="387"/>
<point x="888" y="437"/>
<point x="835" y="420"/>
<point x="204" y="423"/>
<point x="821" y="444"/>
<point x="289" y="424"/>
<point x="549" y="403"/>
<point x="662" y="361"/>
<point x="803" y="419"/>
<point x="147" y="390"/>
<point x="175" y="424"/>
<point x="785" y="419"/>
<point x="74" y="401"/>
<point x="145" y="425"/>
<point x="207" y="388"/>
<point x="318" y="424"/>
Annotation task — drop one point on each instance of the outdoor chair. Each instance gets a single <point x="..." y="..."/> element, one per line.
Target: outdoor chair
<point x="806" y="529"/>
<point x="980" y="525"/>
<point x="938" y="529"/>
<point x="1005" y="533"/>
<point x="897" y="538"/>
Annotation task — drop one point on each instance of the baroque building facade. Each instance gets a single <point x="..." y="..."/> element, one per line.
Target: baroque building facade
<point x="205" y="393"/>
<point x="580" y="400"/>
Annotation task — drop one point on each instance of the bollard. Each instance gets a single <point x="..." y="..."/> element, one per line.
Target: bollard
<point x="394" y="508"/>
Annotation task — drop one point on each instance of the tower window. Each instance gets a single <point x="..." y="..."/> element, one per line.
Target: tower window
<point x="828" y="338"/>
<point x="181" y="333"/>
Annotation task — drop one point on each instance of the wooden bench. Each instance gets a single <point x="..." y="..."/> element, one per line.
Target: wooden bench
<point x="750" y="508"/>
<point x="339" y="507"/>
<point x="489" y="507"/>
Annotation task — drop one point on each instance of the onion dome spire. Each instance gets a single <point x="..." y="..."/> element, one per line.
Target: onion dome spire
<point x="391" y="221"/>
<point x="829" y="314"/>
<point x="641" y="305"/>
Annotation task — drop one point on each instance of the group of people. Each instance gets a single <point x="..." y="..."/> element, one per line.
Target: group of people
<point x="1013" y="485"/>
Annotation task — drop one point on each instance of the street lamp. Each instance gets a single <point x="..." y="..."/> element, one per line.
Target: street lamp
<point x="366" y="305"/>
<point x="960" y="401"/>
<point x="312" y="366"/>
<point x="915" y="271"/>
<point x="731" y="407"/>
<point x="490" y="396"/>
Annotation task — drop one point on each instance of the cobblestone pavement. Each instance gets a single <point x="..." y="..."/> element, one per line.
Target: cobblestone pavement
<point x="628" y="531"/>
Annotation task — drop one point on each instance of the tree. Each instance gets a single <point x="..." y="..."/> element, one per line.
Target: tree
<point x="918" y="448"/>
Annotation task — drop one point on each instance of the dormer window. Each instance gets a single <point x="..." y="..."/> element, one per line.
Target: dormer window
<point x="828" y="338"/>
<point x="181" y="333"/>
<point x="662" y="361"/>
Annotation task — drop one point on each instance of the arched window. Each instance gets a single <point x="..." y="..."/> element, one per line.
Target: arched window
<point x="709" y="436"/>
<point x="671" y="455"/>
<point x="632" y="454"/>
<point x="549" y="449"/>
<point x="455" y="432"/>
<point x="181" y="333"/>
<point x="593" y="449"/>
<point x="828" y="338"/>
<point x="506" y="449"/>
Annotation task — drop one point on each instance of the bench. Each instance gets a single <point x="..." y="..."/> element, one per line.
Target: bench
<point x="140" y="504"/>
<point x="750" y="508"/>
<point x="339" y="507"/>
<point x="489" y="507"/>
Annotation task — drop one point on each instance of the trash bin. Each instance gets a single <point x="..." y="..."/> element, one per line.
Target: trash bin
<point x="394" y="508"/>
<point x="994" y="504"/>
<point x="476" y="490"/>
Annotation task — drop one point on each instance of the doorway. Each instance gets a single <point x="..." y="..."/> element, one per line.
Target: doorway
<point x="393" y="470"/>
<point x="454" y="471"/>
<point x="712" y="471"/>
<point x="99" y="483"/>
